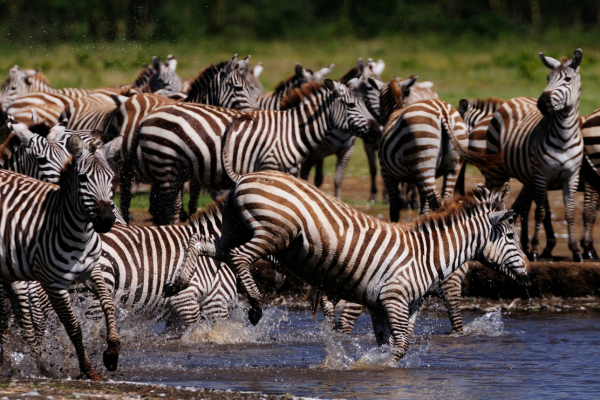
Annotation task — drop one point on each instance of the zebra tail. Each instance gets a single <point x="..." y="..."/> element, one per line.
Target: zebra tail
<point x="485" y="162"/>
<point x="225" y="147"/>
<point x="589" y="173"/>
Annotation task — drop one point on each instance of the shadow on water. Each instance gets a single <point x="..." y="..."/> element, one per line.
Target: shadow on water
<point x="516" y="355"/>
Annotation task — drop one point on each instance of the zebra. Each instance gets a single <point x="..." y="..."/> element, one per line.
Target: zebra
<point x="449" y="290"/>
<point x="68" y="218"/>
<point x="339" y="142"/>
<point x="477" y="114"/>
<point x="356" y="257"/>
<point x="165" y="80"/>
<point x="251" y="76"/>
<point x="420" y="142"/>
<point x="542" y="147"/>
<point x="272" y="101"/>
<point x="182" y="142"/>
<point x="222" y="86"/>
<point x="383" y="103"/>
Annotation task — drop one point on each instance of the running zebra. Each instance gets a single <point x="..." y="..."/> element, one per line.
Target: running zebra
<point x="182" y="142"/>
<point x="78" y="208"/>
<point x="356" y="257"/>
<point x="542" y="147"/>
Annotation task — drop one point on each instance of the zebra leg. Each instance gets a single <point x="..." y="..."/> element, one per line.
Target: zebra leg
<point x="318" y="170"/>
<point x="590" y="211"/>
<point x="346" y="322"/>
<point x="111" y="354"/>
<point x="569" y="192"/>
<point x="183" y="216"/>
<point x="411" y="196"/>
<point x="550" y="236"/>
<point x="242" y="258"/>
<point x="450" y="179"/>
<point x="62" y="305"/>
<point x="343" y="157"/>
<point x="125" y="193"/>
<point x="18" y="294"/>
<point x="521" y="207"/>
<point x="370" y="150"/>
<point x="306" y="166"/>
<point x="38" y="300"/>
<point x="451" y="294"/>
<point x="194" y="197"/>
<point x="381" y="326"/>
<point x="4" y="318"/>
<point x="398" y="316"/>
<point x="169" y="203"/>
<point x="328" y="308"/>
<point x="541" y="200"/>
<point x="185" y="304"/>
<point x="391" y="184"/>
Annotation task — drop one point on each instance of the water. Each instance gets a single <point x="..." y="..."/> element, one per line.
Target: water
<point x="502" y="355"/>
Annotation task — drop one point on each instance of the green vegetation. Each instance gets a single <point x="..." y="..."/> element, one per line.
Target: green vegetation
<point x="460" y="67"/>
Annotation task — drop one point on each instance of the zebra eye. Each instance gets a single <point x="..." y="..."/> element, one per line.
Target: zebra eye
<point x="568" y="79"/>
<point x="351" y="105"/>
<point x="13" y="88"/>
<point x="510" y="235"/>
<point x="83" y="178"/>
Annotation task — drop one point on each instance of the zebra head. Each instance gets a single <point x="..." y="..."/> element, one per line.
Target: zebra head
<point x="349" y="112"/>
<point x="502" y="251"/>
<point x="564" y="84"/>
<point x="165" y="80"/>
<point x="34" y="155"/>
<point x="229" y="89"/>
<point x="18" y="83"/>
<point x="91" y="184"/>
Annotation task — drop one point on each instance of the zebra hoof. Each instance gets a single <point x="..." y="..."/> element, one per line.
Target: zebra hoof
<point x="577" y="257"/>
<point x="110" y="360"/>
<point x="92" y="376"/>
<point x="254" y="315"/>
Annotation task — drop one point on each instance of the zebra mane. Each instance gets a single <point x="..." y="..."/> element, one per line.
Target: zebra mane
<point x="8" y="148"/>
<point x="284" y="84"/>
<point x="396" y="92"/>
<point x="213" y="210"/>
<point x="452" y="211"/>
<point x="144" y="77"/>
<point x="351" y="74"/>
<point x="202" y="80"/>
<point x="297" y="95"/>
<point x="484" y="104"/>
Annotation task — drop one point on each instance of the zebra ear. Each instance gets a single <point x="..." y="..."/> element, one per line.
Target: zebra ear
<point x="376" y="84"/>
<point x="577" y="56"/>
<point x="35" y="119"/>
<point x="112" y="149"/>
<point x="230" y="65"/>
<point x="408" y="83"/>
<point x="323" y="72"/>
<point x="379" y="67"/>
<point x="549" y="61"/>
<point x="171" y="62"/>
<point x="75" y="146"/>
<point x="258" y="69"/>
<point x="20" y="130"/>
<point x="497" y="217"/>
<point x="360" y="65"/>
<point x="463" y="106"/>
<point x="504" y="192"/>
<point x="331" y="85"/>
<point x="57" y="131"/>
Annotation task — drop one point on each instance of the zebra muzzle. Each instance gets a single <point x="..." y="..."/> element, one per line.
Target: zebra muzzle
<point x="104" y="220"/>
<point x="544" y="104"/>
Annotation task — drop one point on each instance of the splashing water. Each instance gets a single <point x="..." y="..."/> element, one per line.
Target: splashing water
<point x="490" y="324"/>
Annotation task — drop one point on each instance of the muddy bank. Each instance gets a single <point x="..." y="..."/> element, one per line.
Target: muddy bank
<point x="55" y="389"/>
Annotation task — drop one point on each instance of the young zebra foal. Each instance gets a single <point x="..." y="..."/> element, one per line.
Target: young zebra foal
<point x="356" y="257"/>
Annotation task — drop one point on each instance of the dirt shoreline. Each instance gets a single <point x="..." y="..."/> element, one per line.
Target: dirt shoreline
<point x="56" y="389"/>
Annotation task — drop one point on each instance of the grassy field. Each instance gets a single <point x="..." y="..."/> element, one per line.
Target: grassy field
<point x="460" y="67"/>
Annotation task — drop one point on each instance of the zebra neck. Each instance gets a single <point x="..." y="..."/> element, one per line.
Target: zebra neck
<point x="449" y="242"/>
<point x="566" y="122"/>
<point x="313" y="120"/>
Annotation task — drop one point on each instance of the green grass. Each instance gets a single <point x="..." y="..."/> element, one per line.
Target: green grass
<point x="464" y="66"/>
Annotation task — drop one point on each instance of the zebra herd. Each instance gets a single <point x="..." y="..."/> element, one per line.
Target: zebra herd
<point x="65" y="151"/>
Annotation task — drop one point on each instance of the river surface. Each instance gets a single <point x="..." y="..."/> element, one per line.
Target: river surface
<point x="515" y="355"/>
